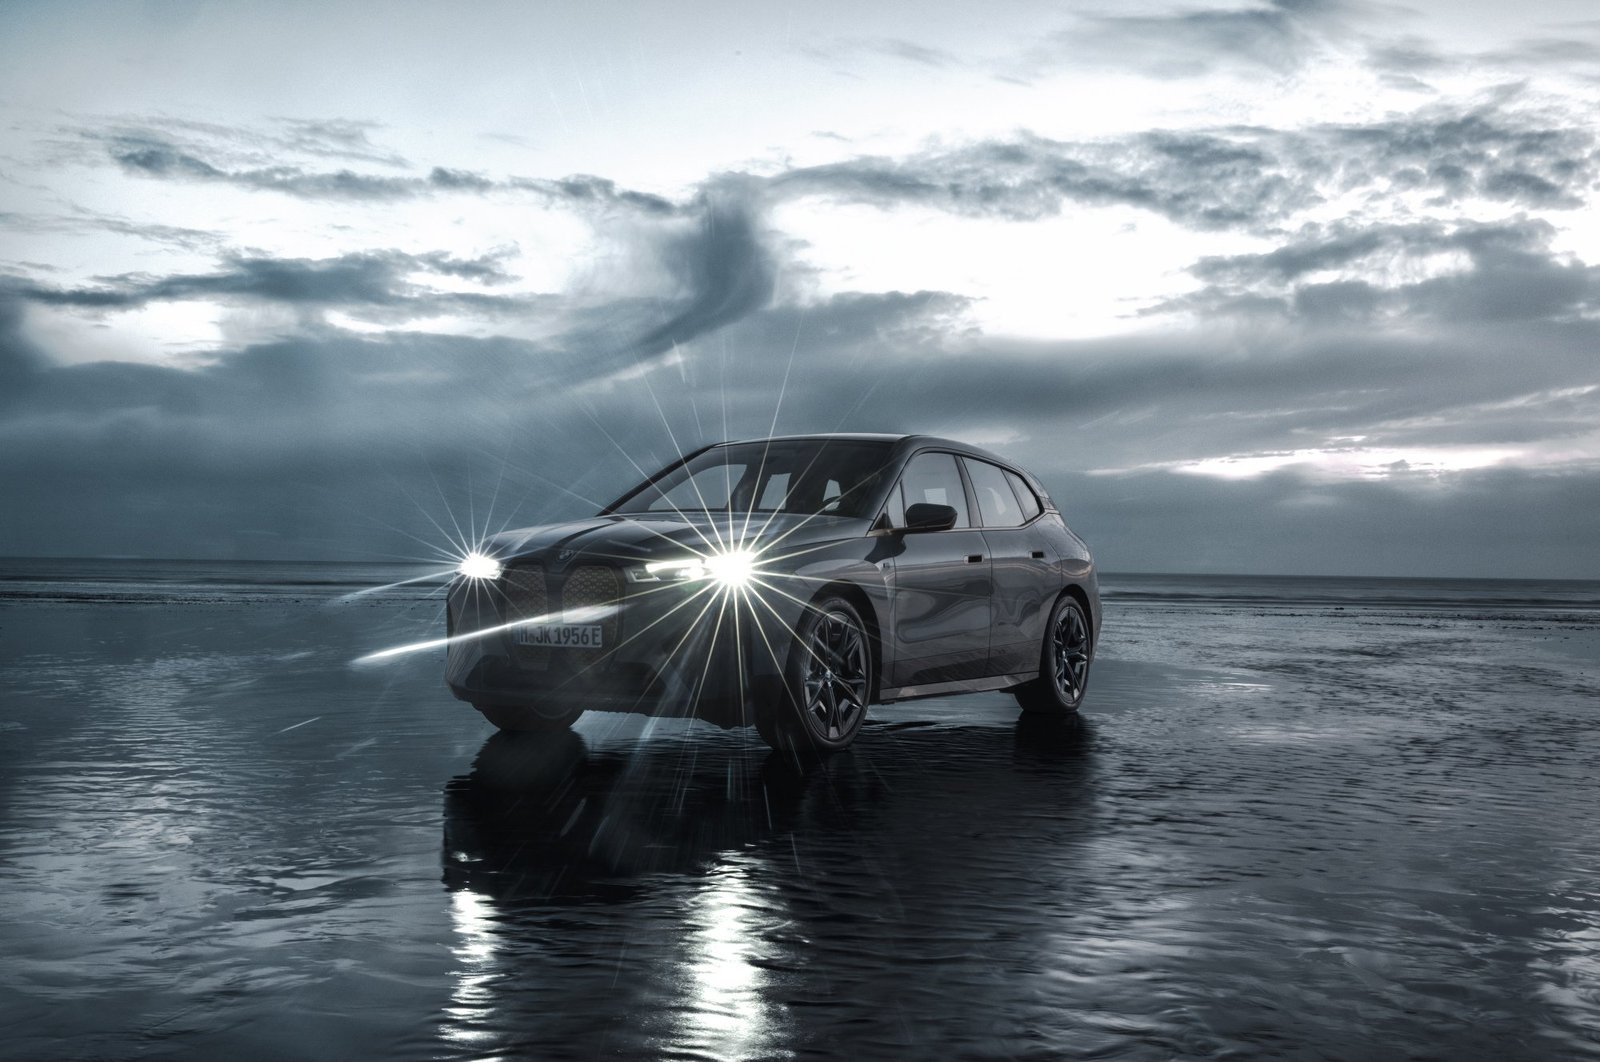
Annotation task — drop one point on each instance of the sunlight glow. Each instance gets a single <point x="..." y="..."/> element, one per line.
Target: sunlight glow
<point x="1351" y="462"/>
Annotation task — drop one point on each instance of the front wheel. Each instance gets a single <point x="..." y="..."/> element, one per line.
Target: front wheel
<point x="827" y="682"/>
<point x="529" y="720"/>
<point x="1063" y="662"/>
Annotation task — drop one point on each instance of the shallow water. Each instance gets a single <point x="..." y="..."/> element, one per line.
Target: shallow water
<point x="1305" y="831"/>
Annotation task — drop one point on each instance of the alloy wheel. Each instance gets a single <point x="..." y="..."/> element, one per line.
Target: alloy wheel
<point x="1070" y="642"/>
<point x="835" y="675"/>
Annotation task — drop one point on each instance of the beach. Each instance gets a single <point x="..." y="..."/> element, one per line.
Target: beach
<point x="1299" y="818"/>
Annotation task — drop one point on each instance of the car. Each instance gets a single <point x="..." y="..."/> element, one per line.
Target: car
<point x="785" y="583"/>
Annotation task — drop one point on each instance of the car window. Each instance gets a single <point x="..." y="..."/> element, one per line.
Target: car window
<point x="840" y="477"/>
<point x="709" y="488"/>
<point x="1025" y="496"/>
<point x="895" y="508"/>
<point x="934" y="480"/>
<point x="996" y="503"/>
<point x="775" y="492"/>
<point x="832" y="493"/>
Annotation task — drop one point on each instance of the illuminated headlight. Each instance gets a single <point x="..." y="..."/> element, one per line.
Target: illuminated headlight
<point x="477" y="566"/>
<point x="732" y="569"/>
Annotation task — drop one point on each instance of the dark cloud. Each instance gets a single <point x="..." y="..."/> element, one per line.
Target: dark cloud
<point x="1544" y="52"/>
<point x="1241" y="177"/>
<point x="1204" y="180"/>
<point x="1404" y="62"/>
<point x="724" y="263"/>
<point x="1276" y="37"/>
<point x="1346" y="243"/>
<point x="21" y="361"/>
<point x="585" y="190"/>
<point x="1536" y="161"/>
<point x="276" y="139"/>
<point x="367" y="280"/>
<point x="1408" y="56"/>
<point x="328" y="441"/>
<point x="1509" y="274"/>
<point x="1249" y="178"/>
<point x="147" y="156"/>
<point x="87" y="222"/>
<point x="154" y="158"/>
<point x="337" y="138"/>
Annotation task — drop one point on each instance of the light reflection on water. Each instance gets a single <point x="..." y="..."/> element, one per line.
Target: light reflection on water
<point x="476" y="970"/>
<point x="727" y="1010"/>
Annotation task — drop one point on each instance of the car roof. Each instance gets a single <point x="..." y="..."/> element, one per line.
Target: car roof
<point x="845" y="436"/>
<point x="904" y="443"/>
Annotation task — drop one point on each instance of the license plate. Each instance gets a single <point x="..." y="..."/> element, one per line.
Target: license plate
<point x="560" y="635"/>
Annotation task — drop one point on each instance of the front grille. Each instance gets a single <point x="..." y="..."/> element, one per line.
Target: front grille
<point x="530" y="591"/>
<point x="526" y="597"/>
<point x="589" y="585"/>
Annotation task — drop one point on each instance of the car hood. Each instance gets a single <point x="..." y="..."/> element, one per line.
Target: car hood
<point x="652" y="536"/>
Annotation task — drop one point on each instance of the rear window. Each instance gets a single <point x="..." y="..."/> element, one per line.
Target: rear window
<point x="1025" y="496"/>
<point x="997" y="502"/>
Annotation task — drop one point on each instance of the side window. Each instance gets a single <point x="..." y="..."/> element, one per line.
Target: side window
<point x="996" y="502"/>
<point x="933" y="479"/>
<point x="1029" y="500"/>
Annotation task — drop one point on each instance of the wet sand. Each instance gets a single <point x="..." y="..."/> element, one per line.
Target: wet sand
<point x="1289" y="832"/>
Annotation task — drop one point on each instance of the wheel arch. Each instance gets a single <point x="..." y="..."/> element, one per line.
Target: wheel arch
<point x="863" y="605"/>
<point x="1078" y="594"/>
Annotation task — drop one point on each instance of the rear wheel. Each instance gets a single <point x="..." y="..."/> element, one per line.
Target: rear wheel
<point x="1063" y="662"/>
<point x="530" y="719"/>
<point x="827" y="681"/>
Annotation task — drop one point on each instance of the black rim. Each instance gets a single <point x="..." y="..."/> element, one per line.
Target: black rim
<point x="836" y="675"/>
<point x="1070" y="642"/>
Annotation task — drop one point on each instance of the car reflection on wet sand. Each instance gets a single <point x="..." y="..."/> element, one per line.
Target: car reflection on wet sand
<point x="734" y="904"/>
<point x="543" y="818"/>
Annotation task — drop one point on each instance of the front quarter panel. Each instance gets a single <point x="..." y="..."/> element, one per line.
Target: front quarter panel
<point x="786" y="587"/>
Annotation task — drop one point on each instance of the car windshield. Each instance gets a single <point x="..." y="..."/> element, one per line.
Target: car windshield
<point x="809" y="476"/>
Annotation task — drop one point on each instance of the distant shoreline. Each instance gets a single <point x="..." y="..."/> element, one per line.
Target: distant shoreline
<point x="98" y="580"/>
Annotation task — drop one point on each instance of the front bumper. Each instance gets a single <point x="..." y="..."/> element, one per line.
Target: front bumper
<point x="669" y="650"/>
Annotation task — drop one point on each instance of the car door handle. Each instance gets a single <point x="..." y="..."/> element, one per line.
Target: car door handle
<point x="1038" y="554"/>
<point x="974" y="558"/>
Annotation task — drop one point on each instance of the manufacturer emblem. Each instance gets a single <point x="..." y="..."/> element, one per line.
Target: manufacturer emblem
<point x="564" y="556"/>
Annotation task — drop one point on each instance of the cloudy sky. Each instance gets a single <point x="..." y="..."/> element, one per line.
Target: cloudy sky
<point x="1268" y="287"/>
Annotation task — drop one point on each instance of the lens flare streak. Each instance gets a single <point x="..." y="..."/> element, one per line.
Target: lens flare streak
<point x="592" y="614"/>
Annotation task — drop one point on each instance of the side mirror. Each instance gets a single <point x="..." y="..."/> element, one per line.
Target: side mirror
<point x="925" y="516"/>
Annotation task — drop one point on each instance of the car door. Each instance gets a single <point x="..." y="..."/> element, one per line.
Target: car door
<point x="1023" y="572"/>
<point x="940" y="581"/>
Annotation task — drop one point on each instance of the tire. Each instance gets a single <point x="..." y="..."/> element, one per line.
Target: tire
<point x="529" y="720"/>
<point x="827" y="683"/>
<point x="1064" y="660"/>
